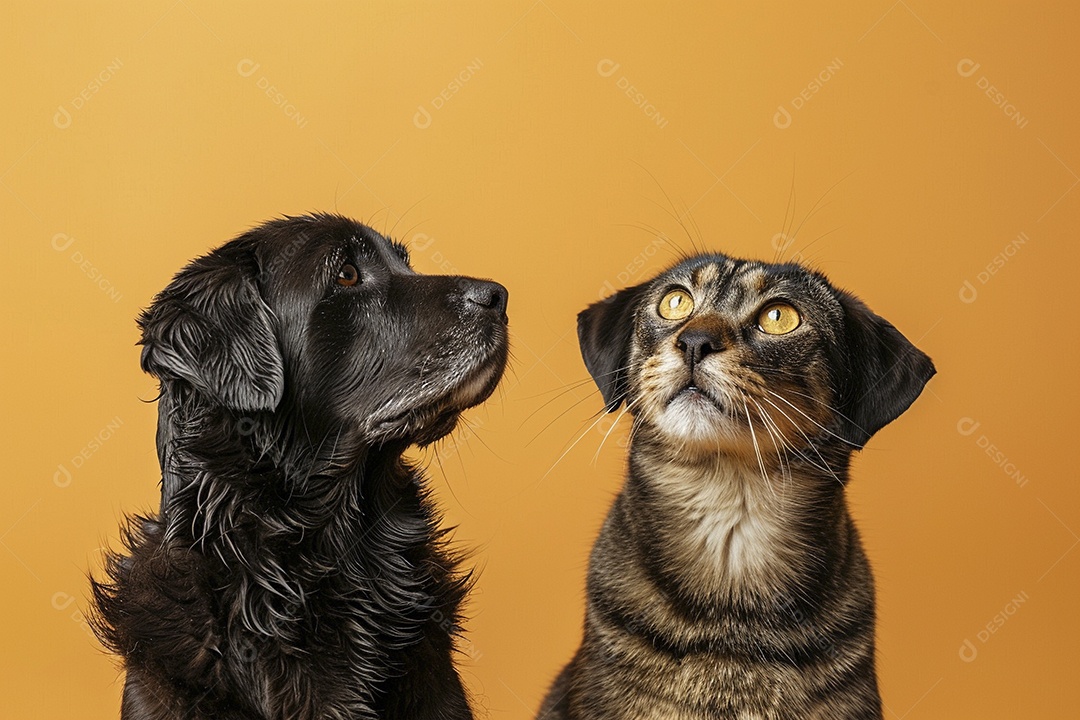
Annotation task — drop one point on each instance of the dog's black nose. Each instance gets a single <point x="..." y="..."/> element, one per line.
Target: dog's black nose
<point x="697" y="343"/>
<point x="487" y="294"/>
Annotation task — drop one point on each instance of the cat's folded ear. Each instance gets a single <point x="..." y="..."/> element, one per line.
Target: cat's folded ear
<point x="211" y="328"/>
<point x="885" y="372"/>
<point x="605" y="330"/>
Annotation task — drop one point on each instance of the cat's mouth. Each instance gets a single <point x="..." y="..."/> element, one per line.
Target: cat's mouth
<point x="701" y="418"/>
<point x="692" y="407"/>
<point x="700" y="402"/>
<point x="698" y="396"/>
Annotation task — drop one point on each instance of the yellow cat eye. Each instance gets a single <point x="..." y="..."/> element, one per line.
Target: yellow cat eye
<point x="676" y="305"/>
<point x="779" y="319"/>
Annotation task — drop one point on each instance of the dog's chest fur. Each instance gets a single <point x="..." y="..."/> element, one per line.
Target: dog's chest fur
<point x="345" y="609"/>
<point x="289" y="622"/>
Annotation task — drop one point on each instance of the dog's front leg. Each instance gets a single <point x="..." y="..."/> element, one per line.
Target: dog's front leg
<point x="429" y="687"/>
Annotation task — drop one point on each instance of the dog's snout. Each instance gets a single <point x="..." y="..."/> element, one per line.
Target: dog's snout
<point x="698" y="343"/>
<point x="488" y="295"/>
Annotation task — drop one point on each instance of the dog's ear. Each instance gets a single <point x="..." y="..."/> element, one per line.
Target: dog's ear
<point x="604" y="333"/>
<point x="886" y="372"/>
<point x="212" y="328"/>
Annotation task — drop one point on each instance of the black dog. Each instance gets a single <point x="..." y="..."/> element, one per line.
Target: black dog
<point x="296" y="569"/>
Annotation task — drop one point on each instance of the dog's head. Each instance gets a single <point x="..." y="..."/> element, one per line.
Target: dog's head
<point x="323" y="317"/>
<point x="724" y="355"/>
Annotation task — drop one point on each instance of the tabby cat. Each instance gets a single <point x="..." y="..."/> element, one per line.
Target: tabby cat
<point x="728" y="580"/>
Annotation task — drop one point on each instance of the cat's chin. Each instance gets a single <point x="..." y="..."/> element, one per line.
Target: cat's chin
<point x="694" y="420"/>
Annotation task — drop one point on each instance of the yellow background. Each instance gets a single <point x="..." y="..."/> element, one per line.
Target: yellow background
<point x="537" y="168"/>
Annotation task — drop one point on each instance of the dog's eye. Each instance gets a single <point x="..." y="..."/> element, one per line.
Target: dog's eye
<point x="348" y="275"/>
<point x="779" y="319"/>
<point x="676" y="305"/>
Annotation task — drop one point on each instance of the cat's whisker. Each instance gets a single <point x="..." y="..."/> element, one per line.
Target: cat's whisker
<point x="824" y="429"/>
<point x="789" y="212"/>
<point x="811" y="398"/>
<point x="558" y="417"/>
<point x="697" y="228"/>
<point x="825" y="467"/>
<point x="674" y="211"/>
<point x="825" y="405"/>
<point x="786" y="450"/>
<point x="809" y="441"/>
<point x="802" y="251"/>
<point x="572" y="406"/>
<point x="634" y="425"/>
<point x="775" y="434"/>
<point x="562" y="394"/>
<point x="675" y="250"/>
<point x="626" y="409"/>
<point x="561" y="389"/>
<point x="801" y="377"/>
<point x="777" y="446"/>
<point x="757" y="449"/>
<point x="817" y="205"/>
<point x="580" y="437"/>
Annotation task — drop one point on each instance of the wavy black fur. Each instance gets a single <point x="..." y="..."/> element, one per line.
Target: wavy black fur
<point x="296" y="568"/>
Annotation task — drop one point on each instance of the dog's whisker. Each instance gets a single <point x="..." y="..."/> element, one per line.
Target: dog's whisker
<point x="409" y="233"/>
<point x="446" y="479"/>
<point x="475" y="432"/>
<point x="402" y="216"/>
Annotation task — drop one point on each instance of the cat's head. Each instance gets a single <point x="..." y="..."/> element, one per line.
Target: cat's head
<point x="724" y="355"/>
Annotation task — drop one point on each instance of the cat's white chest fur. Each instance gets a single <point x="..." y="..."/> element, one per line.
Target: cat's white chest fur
<point x="736" y="523"/>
